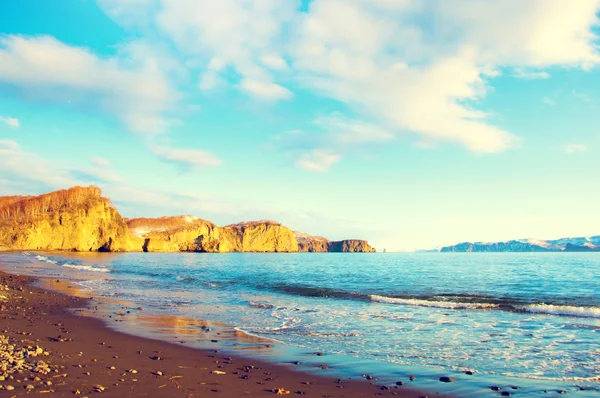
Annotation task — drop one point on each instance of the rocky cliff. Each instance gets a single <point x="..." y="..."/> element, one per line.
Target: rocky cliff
<point x="308" y="243"/>
<point x="80" y="219"/>
<point x="76" y="219"/>
<point x="188" y="233"/>
<point x="350" y="246"/>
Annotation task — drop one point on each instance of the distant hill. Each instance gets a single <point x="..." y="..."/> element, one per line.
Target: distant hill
<point x="581" y="244"/>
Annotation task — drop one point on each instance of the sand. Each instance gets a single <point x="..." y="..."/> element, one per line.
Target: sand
<point x="86" y="358"/>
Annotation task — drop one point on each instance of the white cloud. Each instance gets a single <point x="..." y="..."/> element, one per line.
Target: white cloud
<point x="25" y="166"/>
<point x="27" y="172"/>
<point x="265" y="90"/>
<point x="189" y="158"/>
<point x="548" y="101"/>
<point x="10" y="121"/>
<point x="540" y="32"/>
<point x="131" y="85"/>
<point x="411" y="66"/>
<point x="575" y="148"/>
<point x="273" y="61"/>
<point x="318" y="160"/>
<point x="334" y="136"/>
<point x="521" y="73"/>
<point x="98" y="161"/>
<point x="242" y="36"/>
<point x="428" y="81"/>
<point x="343" y="130"/>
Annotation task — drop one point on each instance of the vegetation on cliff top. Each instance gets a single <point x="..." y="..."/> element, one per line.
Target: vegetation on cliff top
<point x="27" y="208"/>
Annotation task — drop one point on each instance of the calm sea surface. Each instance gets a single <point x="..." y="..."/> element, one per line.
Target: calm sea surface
<point x="517" y="318"/>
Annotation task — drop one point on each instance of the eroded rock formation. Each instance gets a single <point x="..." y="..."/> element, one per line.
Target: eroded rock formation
<point x="80" y="219"/>
<point x="308" y="243"/>
<point x="76" y="219"/>
<point x="188" y="233"/>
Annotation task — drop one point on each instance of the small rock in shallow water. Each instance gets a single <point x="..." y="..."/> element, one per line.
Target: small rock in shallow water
<point x="446" y="379"/>
<point x="411" y="378"/>
<point x="494" y="388"/>
<point x="505" y="394"/>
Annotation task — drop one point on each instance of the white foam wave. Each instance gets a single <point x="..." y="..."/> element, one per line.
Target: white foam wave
<point x="45" y="259"/>
<point x="565" y="310"/>
<point x="79" y="267"/>
<point x="435" y="304"/>
<point x="549" y="309"/>
<point x="86" y="268"/>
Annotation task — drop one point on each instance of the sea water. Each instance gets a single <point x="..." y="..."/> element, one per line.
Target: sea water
<point x="516" y="318"/>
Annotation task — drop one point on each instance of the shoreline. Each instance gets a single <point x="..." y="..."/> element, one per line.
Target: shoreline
<point x="93" y="355"/>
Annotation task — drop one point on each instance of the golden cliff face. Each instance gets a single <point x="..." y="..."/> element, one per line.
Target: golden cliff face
<point x="187" y="233"/>
<point x="76" y="219"/>
<point x="318" y="244"/>
<point x="80" y="219"/>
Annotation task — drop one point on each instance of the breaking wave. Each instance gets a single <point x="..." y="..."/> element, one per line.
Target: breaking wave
<point x="541" y="308"/>
<point x="67" y="264"/>
<point x="85" y="267"/>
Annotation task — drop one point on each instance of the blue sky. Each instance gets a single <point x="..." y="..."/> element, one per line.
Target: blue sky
<point x="411" y="124"/>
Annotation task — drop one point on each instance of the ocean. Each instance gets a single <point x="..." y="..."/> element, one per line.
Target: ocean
<point x="529" y="322"/>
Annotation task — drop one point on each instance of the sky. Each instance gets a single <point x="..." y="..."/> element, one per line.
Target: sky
<point x="410" y="123"/>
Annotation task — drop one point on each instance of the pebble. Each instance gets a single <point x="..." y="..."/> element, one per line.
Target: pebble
<point x="446" y="379"/>
<point x="411" y="378"/>
<point x="399" y="383"/>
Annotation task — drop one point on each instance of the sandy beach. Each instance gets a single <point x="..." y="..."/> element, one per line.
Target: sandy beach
<point x="49" y="350"/>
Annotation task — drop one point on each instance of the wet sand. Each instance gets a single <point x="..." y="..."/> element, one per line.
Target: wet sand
<point x="86" y="358"/>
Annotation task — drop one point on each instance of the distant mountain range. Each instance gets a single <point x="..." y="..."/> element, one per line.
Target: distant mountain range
<point x="583" y="244"/>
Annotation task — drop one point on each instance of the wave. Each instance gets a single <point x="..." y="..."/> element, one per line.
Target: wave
<point x="186" y="279"/>
<point x="45" y="259"/>
<point x="565" y="310"/>
<point x="429" y="303"/>
<point x="63" y="263"/>
<point x="85" y="267"/>
<point x="311" y="291"/>
<point x="257" y="304"/>
<point x="541" y="308"/>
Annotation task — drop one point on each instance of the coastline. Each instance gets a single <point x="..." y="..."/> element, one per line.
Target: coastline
<point x="92" y="355"/>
